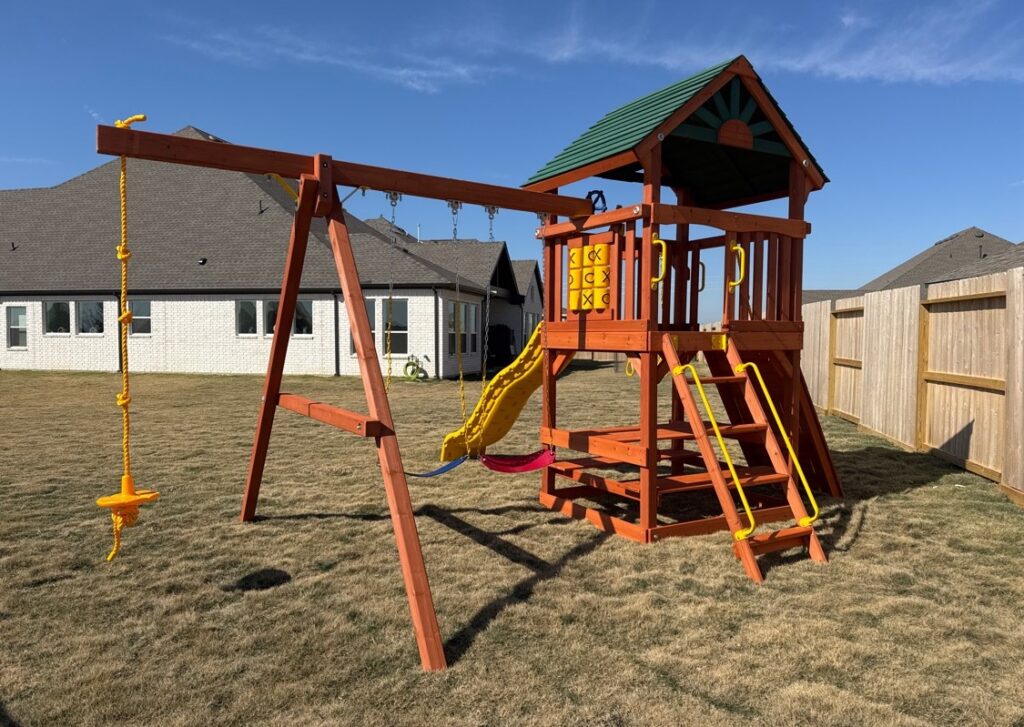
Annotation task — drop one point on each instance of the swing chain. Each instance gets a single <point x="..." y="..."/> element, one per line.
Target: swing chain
<point x="454" y="205"/>
<point x="491" y="212"/>
<point x="394" y="198"/>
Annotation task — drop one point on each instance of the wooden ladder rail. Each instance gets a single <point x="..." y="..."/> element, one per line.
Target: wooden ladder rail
<point x="771" y="444"/>
<point x="707" y="451"/>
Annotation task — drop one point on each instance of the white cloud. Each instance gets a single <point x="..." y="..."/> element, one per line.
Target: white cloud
<point x="92" y="112"/>
<point x="1019" y="183"/>
<point x="957" y="41"/>
<point x="264" y="45"/>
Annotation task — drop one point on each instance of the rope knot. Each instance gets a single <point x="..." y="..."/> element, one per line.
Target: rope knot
<point x="123" y="400"/>
<point x="125" y="317"/>
<point x="123" y="253"/>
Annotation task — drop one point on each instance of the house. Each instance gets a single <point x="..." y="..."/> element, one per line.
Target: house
<point x="209" y="250"/>
<point x="951" y="258"/>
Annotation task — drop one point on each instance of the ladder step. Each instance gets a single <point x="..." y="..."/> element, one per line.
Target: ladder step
<point x="736" y="431"/>
<point x="795" y="537"/>
<point x="749" y="477"/>
<point x="720" y="380"/>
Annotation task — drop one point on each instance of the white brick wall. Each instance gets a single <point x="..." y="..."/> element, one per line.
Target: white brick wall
<point x="61" y="351"/>
<point x="449" y="361"/>
<point x="196" y="334"/>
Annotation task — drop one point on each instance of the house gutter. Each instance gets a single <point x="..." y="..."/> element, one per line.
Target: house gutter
<point x="437" y="335"/>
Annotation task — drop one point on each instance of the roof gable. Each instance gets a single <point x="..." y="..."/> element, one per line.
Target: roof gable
<point x="723" y="138"/>
<point x="944" y="258"/>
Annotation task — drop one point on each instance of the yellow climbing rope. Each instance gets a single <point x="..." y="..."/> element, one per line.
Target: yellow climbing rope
<point x="124" y="506"/>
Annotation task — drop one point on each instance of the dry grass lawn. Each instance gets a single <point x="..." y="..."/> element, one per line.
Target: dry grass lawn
<point x="301" y="618"/>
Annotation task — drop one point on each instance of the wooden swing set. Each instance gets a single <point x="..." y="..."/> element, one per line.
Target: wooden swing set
<point x="717" y="141"/>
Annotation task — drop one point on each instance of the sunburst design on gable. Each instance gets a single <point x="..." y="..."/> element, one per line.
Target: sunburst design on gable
<point x="733" y="118"/>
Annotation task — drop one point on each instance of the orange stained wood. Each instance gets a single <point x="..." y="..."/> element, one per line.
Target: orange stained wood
<point x="735" y="133"/>
<point x="253" y="160"/>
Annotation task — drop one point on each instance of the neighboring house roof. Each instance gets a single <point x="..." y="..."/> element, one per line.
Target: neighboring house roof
<point x="1009" y="259"/>
<point x="527" y="271"/>
<point x="480" y="263"/>
<point x="178" y="215"/>
<point x="743" y="172"/>
<point x="816" y="296"/>
<point x="945" y="259"/>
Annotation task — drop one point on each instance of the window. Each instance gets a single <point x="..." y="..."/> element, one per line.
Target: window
<point x="57" y="317"/>
<point x="303" y="325"/>
<point x="142" y="321"/>
<point x="17" y="326"/>
<point x="471" y="329"/>
<point x="371" y="310"/>
<point x="302" y="321"/>
<point x="90" y="316"/>
<point x="245" y="318"/>
<point x="396" y="312"/>
<point x="468" y="327"/>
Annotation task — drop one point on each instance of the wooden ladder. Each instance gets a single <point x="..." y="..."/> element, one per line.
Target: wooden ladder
<point x="747" y="548"/>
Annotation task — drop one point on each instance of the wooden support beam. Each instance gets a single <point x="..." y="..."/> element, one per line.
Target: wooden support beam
<point x="732" y="221"/>
<point x="601" y="219"/>
<point x="616" y="161"/>
<point x="253" y="160"/>
<point x="296" y="255"/>
<point x="350" y="421"/>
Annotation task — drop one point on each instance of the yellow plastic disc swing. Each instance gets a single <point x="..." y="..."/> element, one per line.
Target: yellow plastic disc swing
<point x="124" y="506"/>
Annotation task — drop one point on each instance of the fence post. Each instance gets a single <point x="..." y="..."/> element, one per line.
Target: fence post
<point x="1013" y="403"/>
<point x="921" y="430"/>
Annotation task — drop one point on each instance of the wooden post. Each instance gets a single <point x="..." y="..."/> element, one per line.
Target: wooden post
<point x="1013" y="402"/>
<point x="552" y="312"/>
<point x="410" y="555"/>
<point x="308" y="194"/>
<point x="798" y="191"/>
<point x="648" y="359"/>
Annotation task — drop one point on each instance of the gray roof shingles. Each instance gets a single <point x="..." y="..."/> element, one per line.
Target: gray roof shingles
<point x="65" y="235"/>
<point x="946" y="259"/>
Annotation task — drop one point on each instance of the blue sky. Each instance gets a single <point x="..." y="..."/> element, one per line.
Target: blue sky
<point x="915" y="110"/>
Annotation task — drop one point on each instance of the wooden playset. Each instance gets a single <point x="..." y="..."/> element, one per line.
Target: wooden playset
<point x="613" y="281"/>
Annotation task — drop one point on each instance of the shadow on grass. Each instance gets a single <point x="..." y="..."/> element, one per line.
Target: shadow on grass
<point x="459" y="643"/>
<point x="260" y="580"/>
<point x="6" y="720"/>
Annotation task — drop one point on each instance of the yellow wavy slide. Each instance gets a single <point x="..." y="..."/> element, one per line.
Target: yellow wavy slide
<point x="500" y="403"/>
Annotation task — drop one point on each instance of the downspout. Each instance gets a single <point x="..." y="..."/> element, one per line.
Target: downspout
<point x="337" y="338"/>
<point x="437" y="335"/>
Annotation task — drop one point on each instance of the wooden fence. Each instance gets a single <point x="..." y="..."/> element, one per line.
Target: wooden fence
<point x="936" y="368"/>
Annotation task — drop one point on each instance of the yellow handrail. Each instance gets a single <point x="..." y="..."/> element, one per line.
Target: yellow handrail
<point x="662" y="266"/>
<point x="804" y="521"/>
<point x="740" y="534"/>
<point x="738" y="249"/>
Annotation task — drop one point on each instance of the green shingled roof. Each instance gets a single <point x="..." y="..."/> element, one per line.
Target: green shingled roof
<point x="714" y="173"/>
<point x="626" y="126"/>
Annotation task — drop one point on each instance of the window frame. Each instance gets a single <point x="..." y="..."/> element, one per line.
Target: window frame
<point x="46" y="318"/>
<point x="78" y="318"/>
<point x="370" y="304"/>
<point x="256" y="317"/>
<point x="149" y="318"/>
<point x="295" y="319"/>
<point x="268" y="330"/>
<point x="394" y="332"/>
<point x="9" y="326"/>
<point x="470" y="338"/>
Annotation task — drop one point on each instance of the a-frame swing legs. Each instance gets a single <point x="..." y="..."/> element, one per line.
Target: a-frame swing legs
<point x="414" y="574"/>
<point x="308" y="187"/>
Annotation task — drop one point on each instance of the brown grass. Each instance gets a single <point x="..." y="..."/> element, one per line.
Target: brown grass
<point x="916" y="620"/>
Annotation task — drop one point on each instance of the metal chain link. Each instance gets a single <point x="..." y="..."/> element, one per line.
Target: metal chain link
<point x="394" y="198"/>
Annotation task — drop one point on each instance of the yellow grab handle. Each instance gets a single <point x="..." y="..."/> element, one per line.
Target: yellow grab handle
<point x="739" y="534"/>
<point x="804" y="521"/>
<point x="662" y="265"/>
<point x="124" y="124"/>
<point x="742" y="253"/>
<point x="703" y="276"/>
<point x="630" y="371"/>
